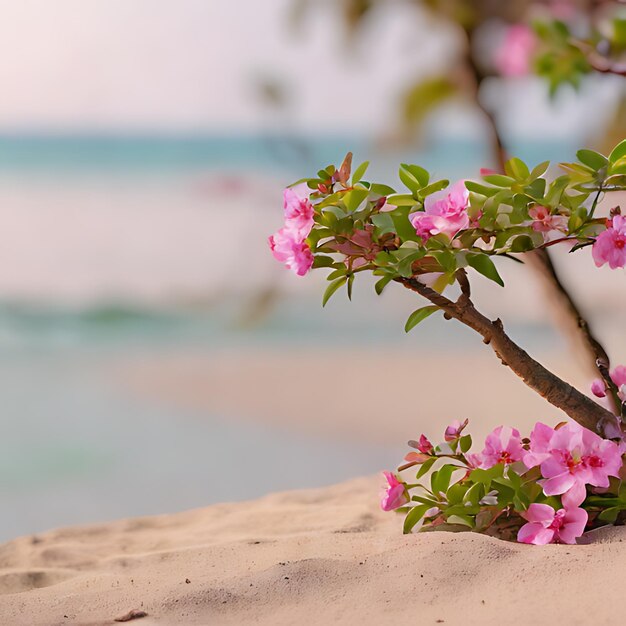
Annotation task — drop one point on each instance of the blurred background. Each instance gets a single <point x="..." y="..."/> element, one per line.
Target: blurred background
<point x="153" y="356"/>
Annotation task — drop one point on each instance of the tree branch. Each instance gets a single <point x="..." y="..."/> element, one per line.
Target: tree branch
<point x="556" y="391"/>
<point x="541" y="261"/>
<point x="597" y="356"/>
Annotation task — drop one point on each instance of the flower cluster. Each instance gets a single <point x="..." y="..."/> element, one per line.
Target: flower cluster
<point x="288" y="245"/>
<point x="437" y="228"/>
<point x="444" y="213"/>
<point x="427" y="237"/>
<point x="545" y="489"/>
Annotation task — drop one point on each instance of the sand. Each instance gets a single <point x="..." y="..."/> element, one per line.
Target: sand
<point x="310" y="557"/>
<point x="386" y="395"/>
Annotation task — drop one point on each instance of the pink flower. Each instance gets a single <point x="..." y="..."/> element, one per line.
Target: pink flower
<point x="547" y="526"/>
<point x="515" y="53"/>
<point x="424" y="445"/>
<point x="443" y="213"/>
<point x="288" y="248"/>
<point x="394" y="494"/>
<point x="503" y="445"/>
<point x="610" y="245"/>
<point x="298" y="213"/>
<point x="598" y="388"/>
<point x="618" y="376"/>
<point x="454" y="430"/>
<point x="544" y="221"/>
<point x="570" y="458"/>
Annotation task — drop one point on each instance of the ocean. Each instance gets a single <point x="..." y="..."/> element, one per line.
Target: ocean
<point x="114" y="248"/>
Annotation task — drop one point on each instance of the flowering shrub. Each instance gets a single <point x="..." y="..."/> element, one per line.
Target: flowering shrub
<point x="429" y="237"/>
<point x="545" y="489"/>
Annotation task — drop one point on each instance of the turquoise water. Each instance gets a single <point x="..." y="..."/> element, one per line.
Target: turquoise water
<point x="75" y="448"/>
<point x="154" y="155"/>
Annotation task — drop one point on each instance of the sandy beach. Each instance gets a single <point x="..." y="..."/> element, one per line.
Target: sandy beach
<point x="314" y="557"/>
<point x="319" y="556"/>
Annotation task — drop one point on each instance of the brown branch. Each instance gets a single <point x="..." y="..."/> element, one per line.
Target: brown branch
<point x="597" y="356"/>
<point x="540" y="260"/>
<point x="556" y="391"/>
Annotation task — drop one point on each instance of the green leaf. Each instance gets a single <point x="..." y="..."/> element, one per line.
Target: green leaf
<point x="404" y="229"/>
<point x="445" y="258"/>
<point x="414" y="516"/>
<point x="517" y="169"/>
<point x="456" y="493"/>
<point x="592" y="159"/>
<point x="405" y="266"/>
<point x="463" y="520"/>
<point x="330" y="290"/>
<point x="465" y="443"/>
<point x="419" y="173"/>
<point x="359" y="172"/>
<point x="499" y="180"/>
<point x="322" y="261"/>
<point x="523" y="243"/>
<point x="618" y="152"/>
<point x="433" y="188"/>
<point x="340" y="271"/>
<point x="486" y="476"/>
<point x="484" y="265"/>
<point x="540" y="170"/>
<point x="409" y="181"/>
<point x="350" y="283"/>
<point x="483" y="190"/>
<point x="610" y="515"/>
<point x="424" y="468"/>
<point x="440" y="480"/>
<point x="384" y="223"/>
<point x="401" y="199"/>
<point x="418" y="316"/>
<point x="353" y="198"/>
<point x="474" y="494"/>
<point x="381" y="190"/>
<point x="382" y="283"/>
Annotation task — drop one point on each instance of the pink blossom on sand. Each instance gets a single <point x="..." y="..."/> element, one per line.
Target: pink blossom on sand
<point x="444" y="212"/>
<point x="454" y="430"/>
<point x="503" y="445"/>
<point x="288" y="248"/>
<point x="610" y="244"/>
<point x="544" y="221"/>
<point x="618" y="376"/>
<point x="298" y="213"/>
<point x="570" y="458"/>
<point x="394" y="493"/>
<point x="516" y="51"/>
<point x="545" y="525"/>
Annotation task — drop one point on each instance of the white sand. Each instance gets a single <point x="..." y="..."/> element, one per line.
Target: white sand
<point x="310" y="557"/>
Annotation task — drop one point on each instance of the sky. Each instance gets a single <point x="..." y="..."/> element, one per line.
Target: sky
<point x="195" y="66"/>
